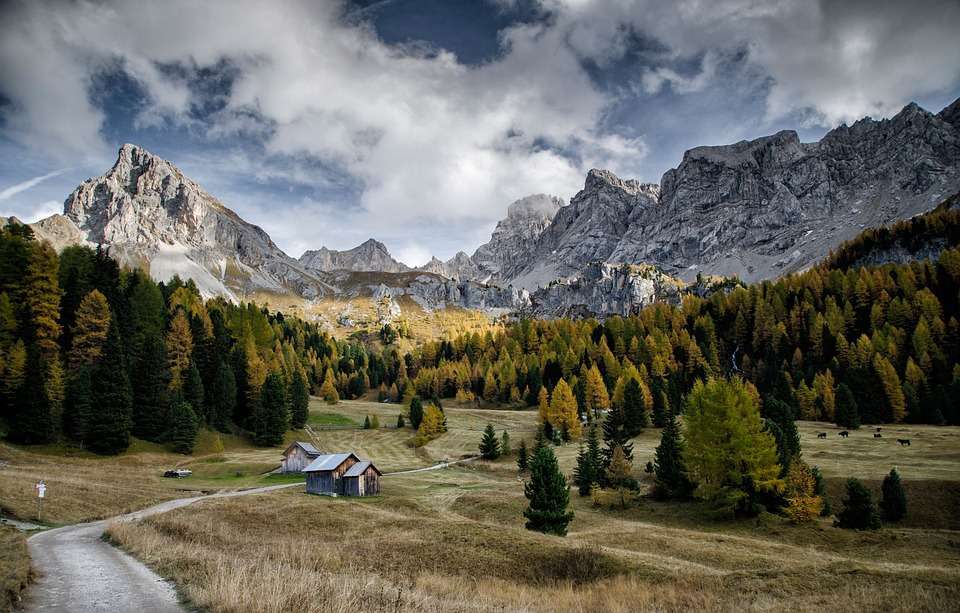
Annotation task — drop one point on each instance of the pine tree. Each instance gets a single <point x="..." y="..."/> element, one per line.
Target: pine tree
<point x="78" y="404"/>
<point x="149" y="390"/>
<point x="522" y="458"/>
<point x="183" y="428"/>
<point x="193" y="393"/>
<point x="110" y="421"/>
<point x="299" y="401"/>
<point x="489" y="445"/>
<point x="89" y="331"/>
<point x="634" y="408"/>
<point x="847" y="415"/>
<point x="728" y="452"/>
<point x="223" y="397"/>
<point x="272" y="417"/>
<point x="671" y="480"/>
<point x="893" y="502"/>
<point x="416" y="412"/>
<point x="548" y="494"/>
<point x="859" y="512"/>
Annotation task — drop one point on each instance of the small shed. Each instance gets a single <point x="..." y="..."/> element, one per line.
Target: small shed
<point x="298" y="456"/>
<point x="362" y="479"/>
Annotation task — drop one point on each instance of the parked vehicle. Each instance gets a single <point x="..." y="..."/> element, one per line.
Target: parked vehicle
<point x="178" y="473"/>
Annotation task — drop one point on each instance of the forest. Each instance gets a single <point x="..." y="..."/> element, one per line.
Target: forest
<point x="92" y="354"/>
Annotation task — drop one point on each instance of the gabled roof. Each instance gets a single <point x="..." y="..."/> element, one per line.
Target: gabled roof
<point x="329" y="462"/>
<point x="359" y="468"/>
<point x="307" y="447"/>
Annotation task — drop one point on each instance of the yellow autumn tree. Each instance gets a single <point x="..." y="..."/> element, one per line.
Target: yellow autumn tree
<point x="89" y="330"/>
<point x="543" y="405"/>
<point x="563" y="409"/>
<point x="328" y="390"/>
<point x="179" y="344"/>
<point x="596" y="397"/>
<point x="803" y="505"/>
<point x="432" y="425"/>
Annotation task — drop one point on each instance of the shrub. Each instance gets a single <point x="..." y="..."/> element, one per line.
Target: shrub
<point x="859" y="512"/>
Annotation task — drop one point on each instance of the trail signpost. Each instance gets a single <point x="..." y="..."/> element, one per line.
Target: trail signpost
<point x="41" y="488"/>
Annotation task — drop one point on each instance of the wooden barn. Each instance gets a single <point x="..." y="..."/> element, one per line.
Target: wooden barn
<point x="342" y="474"/>
<point x="298" y="456"/>
<point x="362" y="479"/>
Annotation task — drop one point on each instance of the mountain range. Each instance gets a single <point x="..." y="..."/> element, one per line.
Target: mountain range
<point x="755" y="209"/>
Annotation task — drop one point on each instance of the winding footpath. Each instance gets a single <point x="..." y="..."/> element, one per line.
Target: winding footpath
<point x="81" y="573"/>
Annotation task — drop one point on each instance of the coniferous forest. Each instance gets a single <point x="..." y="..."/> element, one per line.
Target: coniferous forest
<point x="92" y="354"/>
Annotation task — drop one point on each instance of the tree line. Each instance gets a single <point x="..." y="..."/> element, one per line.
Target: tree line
<point x="92" y="354"/>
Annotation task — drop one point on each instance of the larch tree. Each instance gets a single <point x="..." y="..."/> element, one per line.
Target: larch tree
<point x="563" y="408"/>
<point x="179" y="346"/>
<point x="597" y="397"/>
<point x="90" y="327"/>
<point x="619" y="476"/>
<point x="893" y="402"/>
<point x="728" y="452"/>
<point x="328" y="390"/>
<point x="548" y="494"/>
<point x="803" y="503"/>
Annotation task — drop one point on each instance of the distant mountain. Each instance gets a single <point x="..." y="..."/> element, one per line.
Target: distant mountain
<point x="371" y="255"/>
<point x="754" y="209"/>
<point x="151" y="215"/>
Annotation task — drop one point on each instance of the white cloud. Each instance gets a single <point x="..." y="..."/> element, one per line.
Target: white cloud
<point x="13" y="190"/>
<point x="38" y="211"/>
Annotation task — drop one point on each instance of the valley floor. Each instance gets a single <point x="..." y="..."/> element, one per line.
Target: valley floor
<point x="453" y="539"/>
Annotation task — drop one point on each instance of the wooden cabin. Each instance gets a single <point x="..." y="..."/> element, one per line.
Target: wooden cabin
<point x="342" y="474"/>
<point x="362" y="479"/>
<point x="298" y="456"/>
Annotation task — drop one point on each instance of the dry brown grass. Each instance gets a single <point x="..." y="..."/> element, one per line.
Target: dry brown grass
<point x="14" y="566"/>
<point x="453" y="540"/>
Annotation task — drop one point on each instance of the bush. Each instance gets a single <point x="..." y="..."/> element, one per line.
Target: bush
<point x="859" y="512"/>
<point x="893" y="503"/>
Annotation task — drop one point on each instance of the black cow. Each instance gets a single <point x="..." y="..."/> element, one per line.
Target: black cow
<point x="844" y="434"/>
<point x="877" y="435"/>
<point x="821" y="435"/>
<point x="904" y="441"/>
<point x="878" y="428"/>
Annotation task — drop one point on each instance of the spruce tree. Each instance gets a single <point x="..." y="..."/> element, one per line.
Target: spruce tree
<point x="548" y="494"/>
<point x="193" y="392"/>
<point x="366" y="422"/>
<point x="223" y="397"/>
<point x="661" y="408"/>
<point x="634" y="411"/>
<point x="110" y="422"/>
<point x="893" y="502"/>
<point x="299" y="400"/>
<point x="522" y="459"/>
<point x="416" y="412"/>
<point x="847" y="414"/>
<point x="780" y="424"/>
<point x="78" y="404"/>
<point x="34" y="415"/>
<point x="589" y="468"/>
<point x="489" y="445"/>
<point x="615" y="435"/>
<point x="671" y="480"/>
<point x="149" y="390"/>
<point x="272" y="416"/>
<point x="183" y="428"/>
<point x="400" y="423"/>
<point x="820" y="489"/>
<point x="859" y="512"/>
<point x="505" y="443"/>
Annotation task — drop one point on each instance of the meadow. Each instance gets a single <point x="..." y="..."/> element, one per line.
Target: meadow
<point x="453" y="539"/>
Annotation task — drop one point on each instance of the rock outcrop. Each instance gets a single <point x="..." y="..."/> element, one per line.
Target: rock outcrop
<point x="371" y="255"/>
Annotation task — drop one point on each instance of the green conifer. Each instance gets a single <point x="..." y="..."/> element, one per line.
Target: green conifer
<point x="548" y="494"/>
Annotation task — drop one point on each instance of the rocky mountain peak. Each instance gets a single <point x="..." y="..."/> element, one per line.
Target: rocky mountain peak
<point x="369" y="256"/>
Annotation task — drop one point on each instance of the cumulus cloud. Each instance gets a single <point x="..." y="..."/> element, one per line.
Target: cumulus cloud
<point x="430" y="141"/>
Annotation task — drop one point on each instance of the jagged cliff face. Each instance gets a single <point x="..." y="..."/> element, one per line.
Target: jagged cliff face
<point x="151" y="215"/>
<point x="511" y="246"/>
<point x="774" y="205"/>
<point x="371" y="255"/>
<point x="602" y="289"/>
<point x="459" y="267"/>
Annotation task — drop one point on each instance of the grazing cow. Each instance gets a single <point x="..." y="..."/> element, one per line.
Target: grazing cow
<point x="821" y="435"/>
<point x="904" y="441"/>
<point x="844" y="434"/>
<point x="878" y="428"/>
<point x="877" y="435"/>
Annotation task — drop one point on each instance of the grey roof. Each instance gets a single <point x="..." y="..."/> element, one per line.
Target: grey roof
<point x="328" y="462"/>
<point x="357" y="469"/>
<point x="309" y="448"/>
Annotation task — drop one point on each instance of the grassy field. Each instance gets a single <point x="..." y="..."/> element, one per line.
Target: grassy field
<point x="453" y="539"/>
<point x="14" y="566"/>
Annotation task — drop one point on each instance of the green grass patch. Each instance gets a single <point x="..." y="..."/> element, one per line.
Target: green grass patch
<point x="326" y="418"/>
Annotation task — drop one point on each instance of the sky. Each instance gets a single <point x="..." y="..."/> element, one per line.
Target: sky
<point x="417" y="122"/>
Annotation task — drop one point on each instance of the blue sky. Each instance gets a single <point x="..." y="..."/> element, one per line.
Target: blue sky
<point x="417" y="122"/>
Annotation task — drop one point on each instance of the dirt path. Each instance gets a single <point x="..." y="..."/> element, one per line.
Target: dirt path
<point x="434" y="467"/>
<point x="80" y="573"/>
